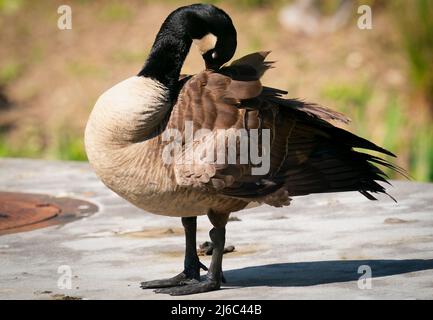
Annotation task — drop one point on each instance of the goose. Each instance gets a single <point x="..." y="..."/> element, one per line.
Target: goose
<point x="126" y="140"/>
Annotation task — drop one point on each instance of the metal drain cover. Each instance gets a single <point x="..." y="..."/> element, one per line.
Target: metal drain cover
<point x="25" y="211"/>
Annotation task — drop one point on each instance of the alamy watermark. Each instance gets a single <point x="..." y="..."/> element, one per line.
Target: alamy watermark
<point x="365" y="21"/>
<point x="365" y="280"/>
<point x="64" y="282"/>
<point x="64" y="22"/>
<point x="221" y="146"/>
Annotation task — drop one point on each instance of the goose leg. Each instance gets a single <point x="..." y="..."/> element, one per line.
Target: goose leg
<point x="192" y="265"/>
<point x="214" y="276"/>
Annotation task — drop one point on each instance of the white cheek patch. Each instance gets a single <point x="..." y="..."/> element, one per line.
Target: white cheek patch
<point x="206" y="43"/>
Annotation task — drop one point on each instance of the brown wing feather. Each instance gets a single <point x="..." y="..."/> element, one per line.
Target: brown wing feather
<point x="307" y="153"/>
<point x="210" y="101"/>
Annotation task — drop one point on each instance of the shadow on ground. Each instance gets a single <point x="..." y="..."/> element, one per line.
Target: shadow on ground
<point x="319" y="272"/>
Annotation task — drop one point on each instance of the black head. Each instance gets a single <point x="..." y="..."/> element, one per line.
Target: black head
<point x="212" y="30"/>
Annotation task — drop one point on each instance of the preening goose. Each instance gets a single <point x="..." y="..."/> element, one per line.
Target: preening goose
<point x="137" y="140"/>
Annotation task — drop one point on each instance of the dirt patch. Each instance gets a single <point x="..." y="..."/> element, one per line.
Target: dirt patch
<point x="397" y="221"/>
<point x="242" y="250"/>
<point x="172" y="254"/>
<point x="229" y="250"/>
<point x="65" y="297"/>
<point x="154" y="233"/>
<point x="57" y="296"/>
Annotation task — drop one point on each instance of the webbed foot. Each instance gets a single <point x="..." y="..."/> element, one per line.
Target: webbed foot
<point x="191" y="288"/>
<point x="184" y="278"/>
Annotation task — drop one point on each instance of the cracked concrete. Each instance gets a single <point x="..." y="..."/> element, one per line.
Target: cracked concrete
<point x="310" y="250"/>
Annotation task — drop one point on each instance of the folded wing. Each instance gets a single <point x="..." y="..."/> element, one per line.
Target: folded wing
<point x="307" y="154"/>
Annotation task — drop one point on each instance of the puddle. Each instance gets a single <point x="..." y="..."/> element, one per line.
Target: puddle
<point x="247" y="250"/>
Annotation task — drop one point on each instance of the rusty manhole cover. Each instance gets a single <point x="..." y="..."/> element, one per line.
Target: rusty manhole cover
<point x="24" y="211"/>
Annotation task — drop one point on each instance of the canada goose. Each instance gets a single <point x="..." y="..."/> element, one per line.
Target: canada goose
<point x="125" y="143"/>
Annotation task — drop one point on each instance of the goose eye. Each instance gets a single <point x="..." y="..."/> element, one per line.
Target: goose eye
<point x="214" y="55"/>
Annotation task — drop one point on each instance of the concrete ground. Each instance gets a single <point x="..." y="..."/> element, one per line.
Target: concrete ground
<point x="318" y="248"/>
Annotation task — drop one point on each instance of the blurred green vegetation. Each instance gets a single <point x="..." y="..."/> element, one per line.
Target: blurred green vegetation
<point x="421" y="151"/>
<point x="353" y="99"/>
<point x="115" y="11"/>
<point x="415" y="21"/>
<point x="30" y="147"/>
<point x="69" y="146"/>
<point x="10" y="71"/>
<point x="10" y="6"/>
<point x="66" y="144"/>
<point x="247" y="3"/>
<point x="401" y="124"/>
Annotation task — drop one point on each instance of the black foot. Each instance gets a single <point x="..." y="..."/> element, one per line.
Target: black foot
<point x="178" y="280"/>
<point x="182" y="279"/>
<point x="192" y="288"/>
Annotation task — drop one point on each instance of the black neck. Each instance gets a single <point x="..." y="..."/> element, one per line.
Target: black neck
<point x="168" y="53"/>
